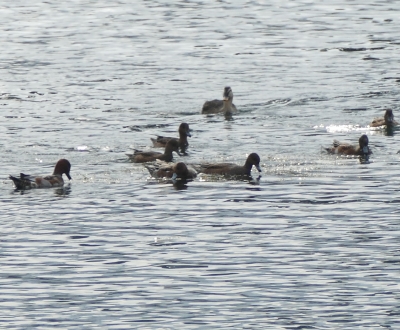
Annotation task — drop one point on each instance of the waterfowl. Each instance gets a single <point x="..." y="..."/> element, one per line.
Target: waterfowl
<point x="387" y="120"/>
<point x="348" y="149"/>
<point x="184" y="132"/>
<point x="224" y="106"/>
<point x="229" y="169"/>
<point x="25" y="181"/>
<point x="149" y="156"/>
<point x="174" y="171"/>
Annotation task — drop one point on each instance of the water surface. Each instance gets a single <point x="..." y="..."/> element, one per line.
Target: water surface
<point x="312" y="245"/>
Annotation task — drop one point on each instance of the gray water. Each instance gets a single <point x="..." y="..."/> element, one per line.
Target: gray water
<point x="313" y="244"/>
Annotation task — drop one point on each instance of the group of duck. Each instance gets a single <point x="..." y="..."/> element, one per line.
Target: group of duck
<point x="363" y="150"/>
<point x="180" y="171"/>
<point x="160" y="164"/>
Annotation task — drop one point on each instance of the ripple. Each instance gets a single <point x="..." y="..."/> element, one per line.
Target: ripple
<point x="311" y="244"/>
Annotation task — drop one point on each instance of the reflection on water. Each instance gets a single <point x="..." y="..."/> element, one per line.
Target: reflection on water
<point x="389" y="131"/>
<point x="364" y="160"/>
<point x="180" y="185"/>
<point x="63" y="191"/>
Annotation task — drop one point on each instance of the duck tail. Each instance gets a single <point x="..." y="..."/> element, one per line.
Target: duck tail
<point x="150" y="168"/>
<point x="17" y="182"/>
<point x="22" y="182"/>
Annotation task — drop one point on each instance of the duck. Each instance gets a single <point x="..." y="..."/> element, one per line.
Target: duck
<point x="148" y="156"/>
<point x="224" y="106"/>
<point x="388" y="120"/>
<point x="347" y="149"/>
<point x="230" y="169"/>
<point x="184" y="132"/>
<point x="173" y="171"/>
<point x="25" y="181"/>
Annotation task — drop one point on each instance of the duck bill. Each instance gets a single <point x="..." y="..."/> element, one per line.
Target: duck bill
<point x="174" y="176"/>
<point x="258" y="168"/>
<point x="68" y="176"/>
<point x="188" y="134"/>
<point x="365" y="150"/>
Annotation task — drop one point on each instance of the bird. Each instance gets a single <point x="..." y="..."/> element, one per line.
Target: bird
<point x="149" y="156"/>
<point x="25" y="181"/>
<point x="172" y="171"/>
<point x="230" y="169"/>
<point x="342" y="148"/>
<point x="224" y="106"/>
<point x="387" y="120"/>
<point x="184" y="132"/>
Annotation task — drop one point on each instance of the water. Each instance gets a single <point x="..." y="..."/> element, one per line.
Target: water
<point x="312" y="245"/>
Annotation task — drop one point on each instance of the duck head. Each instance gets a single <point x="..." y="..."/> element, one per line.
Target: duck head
<point x="184" y="129"/>
<point x="228" y="94"/>
<point x="173" y="145"/>
<point x="363" y="141"/>
<point x="389" y="118"/>
<point x="254" y="159"/>
<point x="63" y="166"/>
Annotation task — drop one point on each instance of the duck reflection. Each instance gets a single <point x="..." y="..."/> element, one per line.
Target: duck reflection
<point x="386" y="125"/>
<point x="364" y="159"/>
<point x="255" y="181"/>
<point x="180" y="184"/>
<point x="63" y="191"/>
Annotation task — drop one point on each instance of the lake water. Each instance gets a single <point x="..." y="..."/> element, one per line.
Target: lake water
<point x="314" y="244"/>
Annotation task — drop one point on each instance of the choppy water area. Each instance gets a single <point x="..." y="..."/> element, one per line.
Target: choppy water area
<point x="312" y="245"/>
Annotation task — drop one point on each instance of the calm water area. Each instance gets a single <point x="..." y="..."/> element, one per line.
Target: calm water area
<point x="311" y="244"/>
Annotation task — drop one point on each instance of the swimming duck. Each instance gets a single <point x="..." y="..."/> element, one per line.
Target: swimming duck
<point x="217" y="106"/>
<point x="387" y="120"/>
<point x="348" y="149"/>
<point x="174" y="171"/>
<point x="149" y="156"/>
<point x="26" y="181"/>
<point x="229" y="169"/>
<point x="184" y="132"/>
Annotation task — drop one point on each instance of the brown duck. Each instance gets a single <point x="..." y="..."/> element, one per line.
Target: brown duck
<point x="224" y="106"/>
<point x="149" y="156"/>
<point x="342" y="148"/>
<point x="25" y="181"/>
<point x="184" y="132"/>
<point x="174" y="171"/>
<point x="230" y="169"/>
<point x="388" y="120"/>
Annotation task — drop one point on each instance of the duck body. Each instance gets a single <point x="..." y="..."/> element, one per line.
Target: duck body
<point x="347" y="149"/>
<point x="184" y="132"/>
<point x="172" y="171"/>
<point x="230" y="169"/>
<point x="149" y="156"/>
<point x="25" y="181"/>
<point x="224" y="106"/>
<point x="388" y="120"/>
